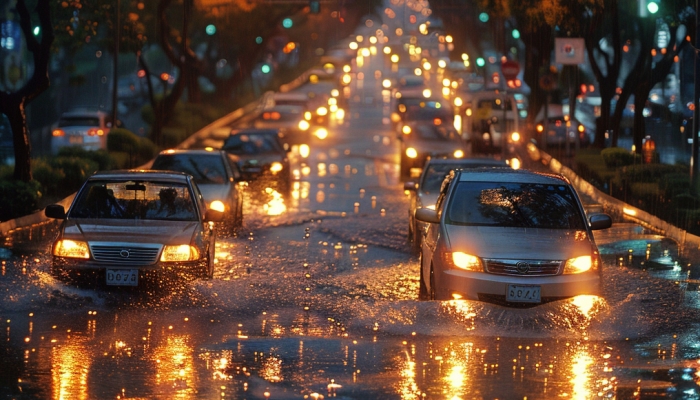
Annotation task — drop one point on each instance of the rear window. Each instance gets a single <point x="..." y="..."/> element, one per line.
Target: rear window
<point x="251" y="144"/>
<point x="79" y="121"/>
<point x="522" y="205"/>
<point x="204" y="168"/>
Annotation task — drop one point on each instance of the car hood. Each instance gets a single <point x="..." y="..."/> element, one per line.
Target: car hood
<point x="518" y="243"/>
<point x="132" y="231"/>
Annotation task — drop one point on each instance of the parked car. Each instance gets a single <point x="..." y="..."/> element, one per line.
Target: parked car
<point x="424" y="191"/>
<point x="262" y="156"/>
<point x="126" y="225"/>
<point x="421" y="140"/>
<point x="81" y="128"/>
<point x="514" y="237"/>
<point x="215" y="172"/>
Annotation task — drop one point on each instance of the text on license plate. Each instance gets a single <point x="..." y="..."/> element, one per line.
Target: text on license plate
<point x="75" y="139"/>
<point x="523" y="293"/>
<point x="122" y="277"/>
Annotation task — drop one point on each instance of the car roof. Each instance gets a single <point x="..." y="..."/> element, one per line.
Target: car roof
<point x="509" y="175"/>
<point x="256" y="131"/>
<point x="466" y="161"/>
<point x="91" y="113"/>
<point x="141" y="174"/>
<point x="197" y="152"/>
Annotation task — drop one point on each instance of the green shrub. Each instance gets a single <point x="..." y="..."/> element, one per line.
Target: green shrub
<point x="101" y="157"/>
<point x="76" y="171"/>
<point x="51" y="178"/>
<point x="18" y="198"/>
<point x="675" y="184"/>
<point x="615" y="157"/>
<point x="647" y="172"/>
<point x="173" y="136"/>
<point x="129" y="150"/>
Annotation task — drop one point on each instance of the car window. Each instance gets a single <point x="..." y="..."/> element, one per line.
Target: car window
<point x="433" y="177"/>
<point x="515" y="205"/>
<point x="79" y="121"/>
<point x="250" y="144"/>
<point x="134" y="200"/>
<point x="204" y="168"/>
<point x="235" y="169"/>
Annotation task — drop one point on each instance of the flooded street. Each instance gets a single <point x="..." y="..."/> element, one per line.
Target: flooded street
<point x="316" y="296"/>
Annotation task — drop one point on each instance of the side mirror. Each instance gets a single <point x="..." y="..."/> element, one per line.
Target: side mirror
<point x="55" y="211"/>
<point x="427" y="215"/>
<point x="600" y="221"/>
<point x="413" y="186"/>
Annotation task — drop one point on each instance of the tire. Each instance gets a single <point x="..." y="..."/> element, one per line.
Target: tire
<point x="432" y="283"/>
<point x="416" y="240"/>
<point x="423" y="294"/>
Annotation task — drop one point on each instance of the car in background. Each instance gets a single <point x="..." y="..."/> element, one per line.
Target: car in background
<point x="559" y="128"/>
<point x="216" y="173"/>
<point x="423" y="140"/>
<point x="262" y="157"/>
<point x="316" y="107"/>
<point x="287" y="118"/>
<point x="424" y="191"/>
<point x="126" y="225"/>
<point x="513" y="237"/>
<point x="81" y="128"/>
<point x="421" y="109"/>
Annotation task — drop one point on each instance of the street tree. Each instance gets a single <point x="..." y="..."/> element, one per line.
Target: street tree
<point x="14" y="104"/>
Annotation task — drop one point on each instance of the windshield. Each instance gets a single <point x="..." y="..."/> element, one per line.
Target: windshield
<point x="204" y="168"/>
<point x="523" y="205"/>
<point x="251" y="144"/>
<point x="134" y="200"/>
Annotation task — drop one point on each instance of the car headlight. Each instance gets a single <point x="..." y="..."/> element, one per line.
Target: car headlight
<point x="183" y="252"/>
<point x="217" y="205"/>
<point x="71" y="248"/>
<point x="458" y="154"/>
<point x="276" y="167"/>
<point x="463" y="261"/>
<point x="580" y="264"/>
<point x="321" y="133"/>
<point x="411" y="152"/>
<point x="486" y="136"/>
<point x="322" y="111"/>
<point x="304" y="125"/>
<point x="515" y="137"/>
<point x="406" y="130"/>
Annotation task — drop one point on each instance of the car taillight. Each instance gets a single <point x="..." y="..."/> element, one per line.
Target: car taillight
<point x="95" y="132"/>
<point x="58" y="133"/>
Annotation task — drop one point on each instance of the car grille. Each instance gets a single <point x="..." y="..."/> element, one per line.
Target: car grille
<point x="125" y="253"/>
<point x="522" y="267"/>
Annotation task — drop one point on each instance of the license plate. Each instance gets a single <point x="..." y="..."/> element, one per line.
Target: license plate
<point x="122" y="277"/>
<point x="523" y="293"/>
<point x="75" y="139"/>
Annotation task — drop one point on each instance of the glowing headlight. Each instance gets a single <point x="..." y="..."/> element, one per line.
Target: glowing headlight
<point x="71" y="248"/>
<point x="458" y="154"/>
<point x="304" y="125"/>
<point x="411" y="152"/>
<point x="485" y="136"/>
<point x="464" y="261"/>
<point x="515" y="137"/>
<point x="406" y="129"/>
<point x="321" y="133"/>
<point x="183" y="252"/>
<point x="276" y="167"/>
<point x="340" y="114"/>
<point x="579" y="264"/>
<point x="217" y="205"/>
<point x="322" y="111"/>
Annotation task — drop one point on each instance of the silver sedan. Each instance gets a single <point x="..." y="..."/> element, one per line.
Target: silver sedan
<point x="512" y="237"/>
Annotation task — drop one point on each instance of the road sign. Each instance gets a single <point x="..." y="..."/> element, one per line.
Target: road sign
<point x="510" y="69"/>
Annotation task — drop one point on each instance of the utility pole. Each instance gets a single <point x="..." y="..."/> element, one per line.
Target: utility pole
<point x="115" y="84"/>
<point x="694" y="167"/>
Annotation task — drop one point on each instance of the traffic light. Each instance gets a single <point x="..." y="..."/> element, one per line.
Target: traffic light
<point x="648" y="7"/>
<point x="314" y="6"/>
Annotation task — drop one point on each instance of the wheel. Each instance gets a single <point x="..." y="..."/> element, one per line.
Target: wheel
<point x="432" y="283"/>
<point x="422" y="288"/>
<point x="416" y="239"/>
